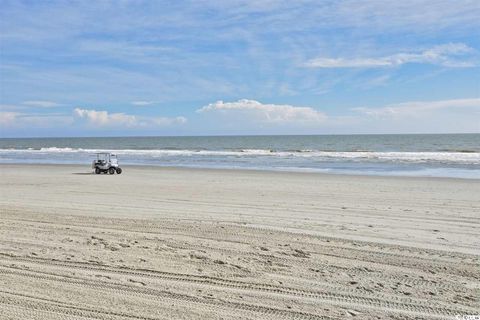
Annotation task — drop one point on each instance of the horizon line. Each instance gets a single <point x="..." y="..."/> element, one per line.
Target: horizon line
<point x="242" y="135"/>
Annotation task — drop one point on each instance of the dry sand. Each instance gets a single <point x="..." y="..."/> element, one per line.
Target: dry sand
<point x="157" y="243"/>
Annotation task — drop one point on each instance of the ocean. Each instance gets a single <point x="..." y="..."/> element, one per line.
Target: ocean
<point x="436" y="155"/>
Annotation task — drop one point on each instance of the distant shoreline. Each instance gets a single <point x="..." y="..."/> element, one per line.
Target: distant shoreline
<point x="86" y="169"/>
<point x="455" y="156"/>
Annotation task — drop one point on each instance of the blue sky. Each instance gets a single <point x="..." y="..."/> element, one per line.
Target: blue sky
<point x="95" y="68"/>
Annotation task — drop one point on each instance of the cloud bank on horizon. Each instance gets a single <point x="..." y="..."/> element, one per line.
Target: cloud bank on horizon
<point x="239" y="67"/>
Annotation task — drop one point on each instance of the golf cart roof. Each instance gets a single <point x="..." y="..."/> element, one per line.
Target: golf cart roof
<point x="106" y="153"/>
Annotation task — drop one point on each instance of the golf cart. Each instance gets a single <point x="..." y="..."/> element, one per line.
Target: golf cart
<point x="106" y="163"/>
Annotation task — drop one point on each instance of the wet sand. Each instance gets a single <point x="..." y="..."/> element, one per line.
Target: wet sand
<point x="164" y="243"/>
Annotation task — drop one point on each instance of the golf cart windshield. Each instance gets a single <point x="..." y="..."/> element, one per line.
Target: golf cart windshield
<point x="107" y="157"/>
<point x="103" y="156"/>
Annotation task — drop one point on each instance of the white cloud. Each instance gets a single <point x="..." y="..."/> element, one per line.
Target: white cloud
<point x="7" y="118"/>
<point x="106" y="119"/>
<point x="266" y="113"/>
<point x="164" y="121"/>
<point x="22" y="120"/>
<point x="103" y="118"/>
<point x="444" y="55"/>
<point x="418" y="107"/>
<point x="42" y="104"/>
<point x="142" y="103"/>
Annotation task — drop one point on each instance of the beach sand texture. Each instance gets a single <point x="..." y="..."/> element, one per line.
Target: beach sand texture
<point x="163" y="243"/>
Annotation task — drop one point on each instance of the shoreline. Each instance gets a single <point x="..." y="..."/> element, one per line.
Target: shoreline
<point x="260" y="170"/>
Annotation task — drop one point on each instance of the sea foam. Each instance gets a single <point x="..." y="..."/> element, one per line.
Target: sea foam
<point x="445" y="157"/>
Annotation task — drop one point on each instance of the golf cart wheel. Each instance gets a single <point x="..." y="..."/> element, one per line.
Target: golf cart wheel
<point x="97" y="171"/>
<point x="119" y="170"/>
<point x="111" y="170"/>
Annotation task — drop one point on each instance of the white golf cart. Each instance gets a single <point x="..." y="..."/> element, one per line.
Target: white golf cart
<point x="106" y="163"/>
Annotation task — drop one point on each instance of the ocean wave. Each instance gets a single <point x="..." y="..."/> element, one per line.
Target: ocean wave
<point x="448" y="157"/>
<point x="461" y="150"/>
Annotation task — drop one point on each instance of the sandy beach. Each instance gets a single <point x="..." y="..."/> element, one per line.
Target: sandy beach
<point x="166" y="243"/>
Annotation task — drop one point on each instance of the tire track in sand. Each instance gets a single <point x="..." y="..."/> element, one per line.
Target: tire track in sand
<point x="417" y="307"/>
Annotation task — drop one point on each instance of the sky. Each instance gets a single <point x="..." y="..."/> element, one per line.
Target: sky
<point x="125" y="68"/>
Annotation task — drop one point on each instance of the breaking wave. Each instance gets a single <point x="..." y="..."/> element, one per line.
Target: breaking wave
<point x="454" y="157"/>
